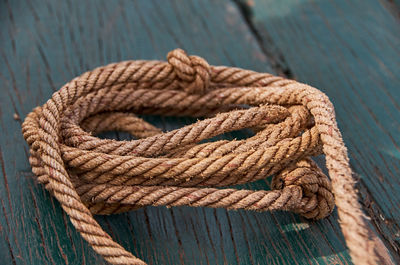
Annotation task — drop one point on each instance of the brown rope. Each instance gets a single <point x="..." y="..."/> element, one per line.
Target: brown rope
<point x="292" y="122"/>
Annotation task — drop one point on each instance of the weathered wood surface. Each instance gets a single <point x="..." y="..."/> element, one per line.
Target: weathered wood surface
<point x="349" y="51"/>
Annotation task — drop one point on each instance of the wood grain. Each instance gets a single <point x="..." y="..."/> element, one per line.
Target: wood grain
<point x="44" y="44"/>
<point x="351" y="51"/>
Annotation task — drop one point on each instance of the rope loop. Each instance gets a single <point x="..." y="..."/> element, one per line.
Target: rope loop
<point x="291" y="122"/>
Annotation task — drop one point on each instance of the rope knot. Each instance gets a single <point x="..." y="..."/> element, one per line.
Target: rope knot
<point x="194" y="72"/>
<point x="90" y="175"/>
<point x="317" y="199"/>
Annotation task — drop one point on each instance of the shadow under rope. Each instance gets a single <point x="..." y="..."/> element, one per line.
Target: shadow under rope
<point x="188" y="235"/>
<point x="348" y="50"/>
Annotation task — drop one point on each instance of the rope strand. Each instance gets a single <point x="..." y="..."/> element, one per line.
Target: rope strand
<point x="292" y="122"/>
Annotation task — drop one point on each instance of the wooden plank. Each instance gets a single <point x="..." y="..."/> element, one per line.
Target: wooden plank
<point x="44" y="44"/>
<point x="394" y="6"/>
<point x="350" y="50"/>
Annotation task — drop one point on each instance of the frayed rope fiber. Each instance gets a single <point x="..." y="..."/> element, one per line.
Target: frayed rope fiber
<point x="292" y="122"/>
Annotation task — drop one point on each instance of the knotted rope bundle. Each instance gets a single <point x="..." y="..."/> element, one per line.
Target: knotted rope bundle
<point x="292" y="122"/>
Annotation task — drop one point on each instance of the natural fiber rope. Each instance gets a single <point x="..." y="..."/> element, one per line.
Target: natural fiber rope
<point x="292" y="122"/>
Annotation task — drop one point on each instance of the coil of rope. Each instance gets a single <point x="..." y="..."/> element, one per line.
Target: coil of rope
<point x="292" y="122"/>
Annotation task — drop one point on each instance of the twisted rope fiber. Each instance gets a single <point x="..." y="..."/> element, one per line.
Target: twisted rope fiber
<point x="292" y="122"/>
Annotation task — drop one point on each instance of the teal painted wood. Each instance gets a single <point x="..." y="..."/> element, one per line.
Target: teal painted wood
<point x="351" y="51"/>
<point x="394" y="5"/>
<point x="44" y="44"/>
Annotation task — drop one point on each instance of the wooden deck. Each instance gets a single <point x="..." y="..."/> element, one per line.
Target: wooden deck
<point x="348" y="49"/>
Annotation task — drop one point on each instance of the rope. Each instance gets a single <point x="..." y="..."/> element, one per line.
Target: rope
<point x="292" y="122"/>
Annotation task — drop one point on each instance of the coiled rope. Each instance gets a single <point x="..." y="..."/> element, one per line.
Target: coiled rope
<point x="292" y="122"/>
